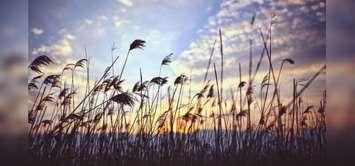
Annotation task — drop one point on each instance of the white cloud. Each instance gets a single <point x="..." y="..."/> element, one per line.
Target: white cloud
<point x="127" y="3"/>
<point x="102" y="18"/>
<point x="62" y="47"/>
<point x="69" y="36"/>
<point x="118" y="21"/>
<point x="234" y="20"/>
<point x="37" y="31"/>
<point x="88" y="21"/>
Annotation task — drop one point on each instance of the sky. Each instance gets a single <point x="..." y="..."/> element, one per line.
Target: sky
<point x="62" y="32"/>
<point x="63" y="29"/>
<point x="13" y="32"/>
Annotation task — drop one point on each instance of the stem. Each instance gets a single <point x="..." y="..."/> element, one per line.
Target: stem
<point x="209" y="62"/>
<point x="98" y="82"/>
<point x="219" y="123"/>
<point x="124" y="65"/>
<point x="222" y="63"/>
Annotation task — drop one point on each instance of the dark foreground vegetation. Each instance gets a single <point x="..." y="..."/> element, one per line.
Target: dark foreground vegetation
<point x="161" y="123"/>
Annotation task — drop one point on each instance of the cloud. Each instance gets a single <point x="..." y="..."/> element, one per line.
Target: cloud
<point x="118" y="21"/>
<point x="37" y="31"/>
<point x="102" y="18"/>
<point x="62" y="47"/>
<point x="289" y="34"/>
<point x="127" y="3"/>
<point x="296" y="35"/>
<point x="88" y="21"/>
<point x="97" y="27"/>
<point x="69" y="36"/>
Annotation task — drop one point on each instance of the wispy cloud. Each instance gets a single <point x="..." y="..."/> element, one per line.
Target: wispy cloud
<point x="62" y="47"/>
<point x="37" y="31"/>
<point x="127" y="3"/>
<point x="299" y="34"/>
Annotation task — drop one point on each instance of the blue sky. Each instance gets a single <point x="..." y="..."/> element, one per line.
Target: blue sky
<point x="13" y="32"/>
<point x="55" y="19"/>
<point x="61" y="29"/>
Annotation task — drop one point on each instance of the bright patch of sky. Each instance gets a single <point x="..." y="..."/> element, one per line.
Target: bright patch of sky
<point x="187" y="28"/>
<point x="66" y="27"/>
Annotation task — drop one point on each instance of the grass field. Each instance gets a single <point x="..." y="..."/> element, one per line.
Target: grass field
<point x="158" y="121"/>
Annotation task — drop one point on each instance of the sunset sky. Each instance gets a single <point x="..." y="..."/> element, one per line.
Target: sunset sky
<point x="62" y="29"/>
<point x="305" y="32"/>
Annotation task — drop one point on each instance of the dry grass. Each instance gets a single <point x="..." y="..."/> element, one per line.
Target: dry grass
<point x="113" y="126"/>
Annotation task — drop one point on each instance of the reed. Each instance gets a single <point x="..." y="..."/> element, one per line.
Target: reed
<point x="156" y="123"/>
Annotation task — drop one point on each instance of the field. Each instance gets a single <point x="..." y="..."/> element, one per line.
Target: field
<point x="158" y="121"/>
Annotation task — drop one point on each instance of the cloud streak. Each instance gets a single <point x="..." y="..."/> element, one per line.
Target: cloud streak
<point x="188" y="29"/>
<point x="127" y="3"/>
<point x="62" y="47"/>
<point x="37" y="31"/>
<point x="299" y="34"/>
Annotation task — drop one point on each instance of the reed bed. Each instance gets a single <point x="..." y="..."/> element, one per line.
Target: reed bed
<point x="157" y="122"/>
